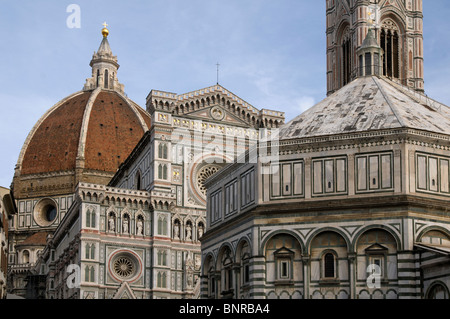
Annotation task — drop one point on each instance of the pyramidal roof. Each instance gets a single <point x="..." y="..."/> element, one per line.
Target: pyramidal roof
<point x="104" y="47"/>
<point x="369" y="103"/>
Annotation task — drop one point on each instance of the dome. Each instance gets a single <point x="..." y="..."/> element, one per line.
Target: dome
<point x="88" y="133"/>
<point x="101" y="127"/>
<point x="84" y="137"/>
<point x="367" y="104"/>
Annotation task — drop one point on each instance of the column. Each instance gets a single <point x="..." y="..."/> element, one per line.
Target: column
<point x="352" y="274"/>
<point x="306" y="261"/>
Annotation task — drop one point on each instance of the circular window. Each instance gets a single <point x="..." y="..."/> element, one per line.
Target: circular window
<point x="203" y="174"/>
<point x="125" y="266"/>
<point x="45" y="212"/>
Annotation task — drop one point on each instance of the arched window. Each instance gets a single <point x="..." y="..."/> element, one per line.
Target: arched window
<point x="90" y="251"/>
<point x="162" y="150"/>
<point x="88" y="218"/>
<point x="160" y="171"/>
<point x="106" y="79"/>
<point x="26" y="257"/>
<point x="329" y="247"/>
<point x="165" y="151"/>
<point x="138" y="181"/>
<point x="162" y="258"/>
<point x="92" y="274"/>
<point x="346" y="61"/>
<point x="162" y="280"/>
<point x="390" y="43"/>
<point x="93" y="217"/>
<point x="164" y="172"/>
<point x="162" y="226"/>
<point x="98" y="77"/>
<point x="86" y="274"/>
<point x="329" y="265"/>
<point x="438" y="291"/>
<point x="345" y="55"/>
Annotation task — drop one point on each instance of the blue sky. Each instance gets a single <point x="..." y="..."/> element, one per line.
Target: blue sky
<point x="271" y="54"/>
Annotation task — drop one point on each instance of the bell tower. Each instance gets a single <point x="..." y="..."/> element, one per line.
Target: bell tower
<point x="398" y="29"/>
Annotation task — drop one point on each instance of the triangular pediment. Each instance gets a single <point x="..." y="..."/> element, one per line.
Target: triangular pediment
<point x="376" y="248"/>
<point x="124" y="292"/>
<point x="343" y="9"/>
<point x="283" y="251"/>
<point x="399" y="5"/>
<point x="215" y="104"/>
<point x="216" y="114"/>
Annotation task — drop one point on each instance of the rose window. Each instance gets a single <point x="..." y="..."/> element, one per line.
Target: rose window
<point x="124" y="266"/>
<point x="203" y="175"/>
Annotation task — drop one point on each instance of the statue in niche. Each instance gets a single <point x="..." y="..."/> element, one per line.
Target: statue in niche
<point x="112" y="223"/>
<point x="125" y="224"/>
<point x="176" y="230"/>
<point x="140" y="229"/>
<point x="188" y="232"/>
<point x="200" y="231"/>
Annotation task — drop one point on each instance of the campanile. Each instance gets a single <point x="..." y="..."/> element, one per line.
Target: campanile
<point x="398" y="28"/>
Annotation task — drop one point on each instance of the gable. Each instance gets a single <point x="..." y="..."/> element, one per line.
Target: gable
<point x="215" y="104"/>
<point x="217" y="114"/>
<point x="376" y="248"/>
<point x="124" y="292"/>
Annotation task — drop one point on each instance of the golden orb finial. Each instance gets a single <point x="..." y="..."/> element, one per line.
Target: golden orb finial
<point x="105" y="31"/>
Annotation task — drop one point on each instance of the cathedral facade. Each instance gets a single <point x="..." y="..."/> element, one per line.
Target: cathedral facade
<point x="353" y="203"/>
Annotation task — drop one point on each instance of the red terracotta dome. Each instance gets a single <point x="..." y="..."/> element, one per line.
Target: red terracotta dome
<point x="84" y="137"/>
<point x="101" y="127"/>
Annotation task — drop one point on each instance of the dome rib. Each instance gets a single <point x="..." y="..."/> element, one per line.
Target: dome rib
<point x="85" y="125"/>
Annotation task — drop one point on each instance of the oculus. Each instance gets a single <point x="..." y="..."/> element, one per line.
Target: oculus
<point x="45" y="212"/>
